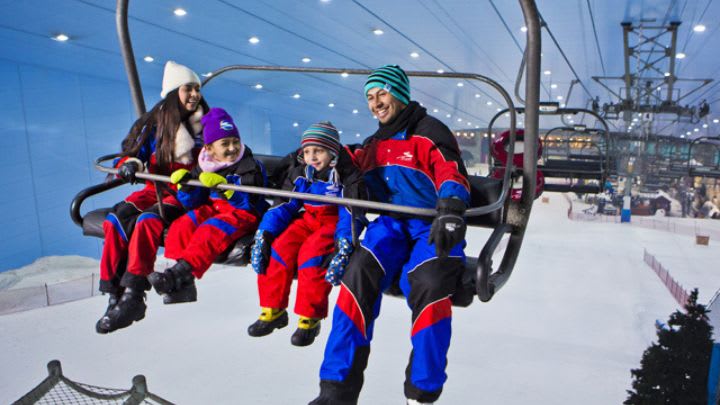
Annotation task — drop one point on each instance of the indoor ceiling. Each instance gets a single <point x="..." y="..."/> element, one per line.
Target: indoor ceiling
<point x="483" y="37"/>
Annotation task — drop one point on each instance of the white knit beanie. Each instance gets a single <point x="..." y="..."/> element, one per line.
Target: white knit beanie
<point x="175" y="76"/>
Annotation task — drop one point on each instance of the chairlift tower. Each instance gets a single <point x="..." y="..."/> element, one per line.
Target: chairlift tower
<point x="649" y="91"/>
<point x="649" y="81"/>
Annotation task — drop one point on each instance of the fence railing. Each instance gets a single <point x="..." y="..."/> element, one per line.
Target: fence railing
<point x="676" y="290"/>
<point x="22" y="299"/>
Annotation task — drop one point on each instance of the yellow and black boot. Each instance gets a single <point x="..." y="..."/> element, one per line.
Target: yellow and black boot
<point x="269" y="320"/>
<point x="307" y="331"/>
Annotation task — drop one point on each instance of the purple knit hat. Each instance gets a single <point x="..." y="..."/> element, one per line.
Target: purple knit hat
<point x="218" y="124"/>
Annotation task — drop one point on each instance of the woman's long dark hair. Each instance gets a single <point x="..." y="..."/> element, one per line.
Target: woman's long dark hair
<point x="166" y="117"/>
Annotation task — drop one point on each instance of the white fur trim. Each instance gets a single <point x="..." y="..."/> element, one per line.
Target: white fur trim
<point x="184" y="141"/>
<point x="175" y="75"/>
<point x="195" y="118"/>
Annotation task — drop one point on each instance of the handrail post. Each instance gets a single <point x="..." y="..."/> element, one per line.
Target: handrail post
<point x="121" y="23"/>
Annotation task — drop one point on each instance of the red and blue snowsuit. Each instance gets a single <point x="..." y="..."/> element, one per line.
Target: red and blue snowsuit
<point x="213" y="221"/>
<point x="134" y="228"/>
<point x="414" y="166"/>
<point x="302" y="242"/>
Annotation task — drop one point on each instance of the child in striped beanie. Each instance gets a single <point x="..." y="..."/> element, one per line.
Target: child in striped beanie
<point x="315" y="243"/>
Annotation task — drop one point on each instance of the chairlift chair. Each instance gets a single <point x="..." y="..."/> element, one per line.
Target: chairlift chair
<point x="490" y="205"/>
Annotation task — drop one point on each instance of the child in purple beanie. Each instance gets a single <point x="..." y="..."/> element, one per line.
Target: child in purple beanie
<point x="215" y="218"/>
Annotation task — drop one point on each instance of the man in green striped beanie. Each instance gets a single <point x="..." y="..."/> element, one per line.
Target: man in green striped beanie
<point x="413" y="160"/>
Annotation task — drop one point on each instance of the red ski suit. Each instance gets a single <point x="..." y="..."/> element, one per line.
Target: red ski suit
<point x="302" y="244"/>
<point x="134" y="228"/>
<point x="213" y="221"/>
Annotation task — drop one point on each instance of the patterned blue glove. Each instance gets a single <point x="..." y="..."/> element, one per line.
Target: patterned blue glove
<point x="336" y="269"/>
<point x="260" y="253"/>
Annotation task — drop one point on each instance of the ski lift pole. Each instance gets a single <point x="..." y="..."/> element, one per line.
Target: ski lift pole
<point x="158" y="195"/>
<point x="121" y="23"/>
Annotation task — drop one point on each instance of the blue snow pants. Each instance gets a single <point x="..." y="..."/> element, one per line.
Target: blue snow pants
<point x="393" y="249"/>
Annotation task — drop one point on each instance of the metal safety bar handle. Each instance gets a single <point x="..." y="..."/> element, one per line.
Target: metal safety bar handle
<point x="269" y="192"/>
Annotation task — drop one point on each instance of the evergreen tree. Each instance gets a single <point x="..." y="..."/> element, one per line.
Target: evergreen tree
<point x="675" y="369"/>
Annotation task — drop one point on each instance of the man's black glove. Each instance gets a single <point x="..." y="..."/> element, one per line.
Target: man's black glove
<point x="129" y="168"/>
<point x="448" y="228"/>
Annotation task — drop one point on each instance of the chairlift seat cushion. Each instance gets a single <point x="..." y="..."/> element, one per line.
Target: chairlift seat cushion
<point x="92" y="223"/>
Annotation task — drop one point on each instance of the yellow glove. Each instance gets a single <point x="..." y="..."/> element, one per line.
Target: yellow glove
<point x="178" y="176"/>
<point x="211" y="179"/>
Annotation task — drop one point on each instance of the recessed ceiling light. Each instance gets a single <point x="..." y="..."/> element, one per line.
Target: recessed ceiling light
<point x="523" y="28"/>
<point x="559" y="97"/>
<point x="148" y="59"/>
<point x="547" y="72"/>
<point x="459" y="119"/>
<point x="562" y="105"/>
<point x="667" y="74"/>
<point x="61" y="37"/>
<point x="683" y="136"/>
<point x="499" y="109"/>
<point x="207" y="74"/>
<point x="331" y="105"/>
<point x="705" y="125"/>
<point x="680" y="55"/>
<point x="715" y="121"/>
<point x="258" y="86"/>
<point x="254" y="40"/>
<point x="295" y="124"/>
<point x="325" y="1"/>
<point x="448" y="115"/>
<point x="696" y="129"/>
<point x="357" y="135"/>
<point x="344" y="74"/>
<point x="340" y="132"/>
<point x="460" y="84"/>
<point x="355" y="111"/>
<point x="435" y="110"/>
<point x="414" y="55"/>
<point x="180" y="12"/>
<point x="378" y="31"/>
<point x="477" y="95"/>
<point x="699" y="28"/>
<point x="440" y="71"/>
<point x="489" y="103"/>
<point x="553" y="86"/>
<point x="687" y="133"/>
<point x="296" y="96"/>
<point x="306" y="60"/>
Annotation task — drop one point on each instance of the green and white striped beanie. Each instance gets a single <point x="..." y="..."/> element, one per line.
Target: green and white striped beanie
<point x="390" y="78"/>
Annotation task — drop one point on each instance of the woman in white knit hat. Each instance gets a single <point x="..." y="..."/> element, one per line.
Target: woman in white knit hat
<point x="163" y="140"/>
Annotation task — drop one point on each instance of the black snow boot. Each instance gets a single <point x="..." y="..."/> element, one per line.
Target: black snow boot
<point x="270" y="319"/>
<point x="176" y="284"/>
<point x="128" y="309"/>
<point x="307" y="331"/>
<point x="112" y="301"/>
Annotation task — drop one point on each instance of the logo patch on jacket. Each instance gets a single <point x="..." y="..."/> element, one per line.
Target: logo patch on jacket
<point x="406" y="157"/>
<point x="332" y="190"/>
